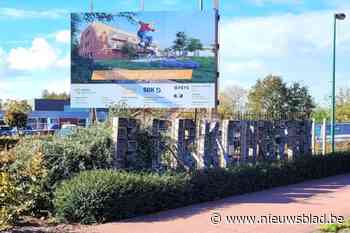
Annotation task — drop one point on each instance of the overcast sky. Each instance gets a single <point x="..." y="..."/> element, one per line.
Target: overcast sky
<point x="291" y="38"/>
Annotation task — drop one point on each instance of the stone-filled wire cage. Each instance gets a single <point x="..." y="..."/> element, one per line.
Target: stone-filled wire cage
<point x="197" y="142"/>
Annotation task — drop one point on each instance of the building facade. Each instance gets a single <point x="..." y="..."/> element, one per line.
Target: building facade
<point x="101" y="41"/>
<point x="52" y="114"/>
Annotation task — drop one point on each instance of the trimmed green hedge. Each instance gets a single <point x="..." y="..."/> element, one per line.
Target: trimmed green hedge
<point x="106" y="195"/>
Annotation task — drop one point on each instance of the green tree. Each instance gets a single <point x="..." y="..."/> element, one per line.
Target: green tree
<point x="194" y="45"/>
<point x="320" y="113"/>
<point x="129" y="50"/>
<point x="53" y="95"/>
<point x="17" y="106"/>
<point x="180" y="42"/>
<point x="343" y="105"/>
<point x="343" y="113"/>
<point x="299" y="100"/>
<point x="272" y="96"/>
<point x="268" y="96"/>
<point x="16" y="119"/>
<point x="16" y="113"/>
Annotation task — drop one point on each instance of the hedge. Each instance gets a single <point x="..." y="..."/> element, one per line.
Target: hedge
<point x="109" y="195"/>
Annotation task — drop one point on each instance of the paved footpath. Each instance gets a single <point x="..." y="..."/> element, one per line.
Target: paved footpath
<point x="317" y="197"/>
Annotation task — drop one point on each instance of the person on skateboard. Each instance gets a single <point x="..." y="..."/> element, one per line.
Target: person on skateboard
<point x="142" y="33"/>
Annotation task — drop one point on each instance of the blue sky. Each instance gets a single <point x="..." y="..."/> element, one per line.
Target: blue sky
<point x="291" y="38"/>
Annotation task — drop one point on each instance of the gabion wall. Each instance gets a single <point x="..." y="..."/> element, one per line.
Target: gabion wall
<point x="206" y="143"/>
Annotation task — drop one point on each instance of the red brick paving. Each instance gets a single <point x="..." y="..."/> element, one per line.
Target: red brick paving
<point x="326" y="196"/>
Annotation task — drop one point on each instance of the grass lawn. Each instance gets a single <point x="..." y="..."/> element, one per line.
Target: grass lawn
<point x="204" y="74"/>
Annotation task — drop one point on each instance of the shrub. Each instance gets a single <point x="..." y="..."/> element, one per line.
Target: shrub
<point x="86" y="149"/>
<point x="36" y="165"/>
<point x="20" y="185"/>
<point x="98" y="196"/>
<point x="105" y="195"/>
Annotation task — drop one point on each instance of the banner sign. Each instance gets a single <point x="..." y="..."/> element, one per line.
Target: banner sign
<point x="143" y="60"/>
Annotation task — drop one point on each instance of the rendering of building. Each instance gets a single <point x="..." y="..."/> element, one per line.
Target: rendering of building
<point x="101" y="41"/>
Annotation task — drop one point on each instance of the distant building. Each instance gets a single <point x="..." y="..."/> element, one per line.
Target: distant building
<point x="101" y="41"/>
<point x="48" y="113"/>
<point x="50" y="104"/>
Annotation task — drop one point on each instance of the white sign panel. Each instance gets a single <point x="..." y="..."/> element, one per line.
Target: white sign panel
<point x="146" y="95"/>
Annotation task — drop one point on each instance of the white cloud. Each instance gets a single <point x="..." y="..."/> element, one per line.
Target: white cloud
<point x="273" y="36"/>
<point x="281" y="35"/>
<point x="5" y="70"/>
<point x="64" y="62"/>
<point x="3" y="63"/>
<point x="40" y="56"/>
<point x="63" y="36"/>
<point x="14" y="13"/>
<point x="296" y="46"/>
<point x="238" y="68"/>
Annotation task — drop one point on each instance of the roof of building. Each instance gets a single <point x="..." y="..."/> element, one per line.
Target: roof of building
<point x="50" y="104"/>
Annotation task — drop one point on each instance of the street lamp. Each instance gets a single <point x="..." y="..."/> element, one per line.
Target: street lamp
<point x="337" y="16"/>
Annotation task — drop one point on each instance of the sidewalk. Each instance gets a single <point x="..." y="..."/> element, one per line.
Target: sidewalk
<point x="318" y="197"/>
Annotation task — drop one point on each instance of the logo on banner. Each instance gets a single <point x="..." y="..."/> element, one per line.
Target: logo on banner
<point x="152" y="90"/>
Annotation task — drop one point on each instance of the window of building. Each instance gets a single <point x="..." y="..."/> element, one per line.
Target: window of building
<point x="31" y="122"/>
<point x="42" y="123"/>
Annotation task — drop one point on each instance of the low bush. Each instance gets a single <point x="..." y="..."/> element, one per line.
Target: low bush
<point x="86" y="149"/>
<point x="20" y="184"/>
<point x="336" y="227"/>
<point x="106" y="195"/>
<point x="36" y="165"/>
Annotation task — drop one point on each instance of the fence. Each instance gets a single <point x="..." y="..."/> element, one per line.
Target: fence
<point x="322" y="137"/>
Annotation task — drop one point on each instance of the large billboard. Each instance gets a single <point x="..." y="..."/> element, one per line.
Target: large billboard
<point x="143" y="59"/>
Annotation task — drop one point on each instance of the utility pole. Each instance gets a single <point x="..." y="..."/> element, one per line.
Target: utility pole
<point x="338" y="16"/>
<point x="201" y="6"/>
<point x="217" y="47"/>
<point x="196" y="109"/>
<point x="91" y="6"/>
<point x="93" y="112"/>
<point x="142" y="5"/>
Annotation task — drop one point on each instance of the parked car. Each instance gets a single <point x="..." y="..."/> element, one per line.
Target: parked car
<point x="67" y="130"/>
<point x="53" y="127"/>
<point x="5" y="130"/>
